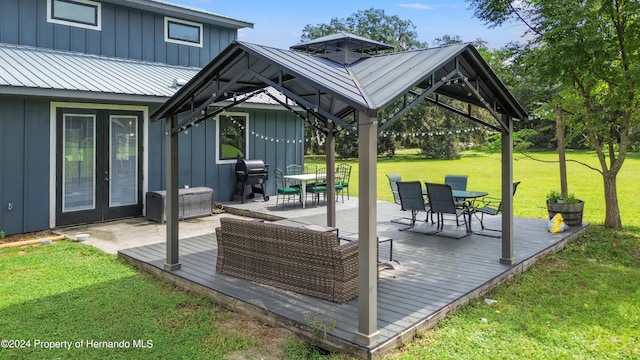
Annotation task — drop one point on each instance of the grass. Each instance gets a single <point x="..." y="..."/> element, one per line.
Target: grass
<point x="70" y="291"/>
<point x="538" y="178"/>
<point x="579" y="303"/>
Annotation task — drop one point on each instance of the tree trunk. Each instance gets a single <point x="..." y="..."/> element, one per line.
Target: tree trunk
<point x="612" y="218"/>
<point x="561" y="155"/>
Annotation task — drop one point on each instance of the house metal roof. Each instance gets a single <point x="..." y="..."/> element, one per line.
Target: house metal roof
<point x="34" y="71"/>
<point x="28" y="70"/>
<point x="332" y="90"/>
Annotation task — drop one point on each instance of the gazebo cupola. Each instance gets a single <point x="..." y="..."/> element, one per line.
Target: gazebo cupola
<point x="342" y="47"/>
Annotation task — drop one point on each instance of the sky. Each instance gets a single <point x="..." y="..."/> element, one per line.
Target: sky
<point x="279" y="24"/>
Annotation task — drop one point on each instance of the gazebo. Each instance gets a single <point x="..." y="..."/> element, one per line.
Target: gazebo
<point x="343" y="82"/>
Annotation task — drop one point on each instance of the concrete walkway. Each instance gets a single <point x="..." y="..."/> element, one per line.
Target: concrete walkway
<point x="117" y="235"/>
<point x="122" y="234"/>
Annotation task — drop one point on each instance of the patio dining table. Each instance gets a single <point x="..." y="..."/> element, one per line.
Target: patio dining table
<point x="464" y="195"/>
<point x="303" y="179"/>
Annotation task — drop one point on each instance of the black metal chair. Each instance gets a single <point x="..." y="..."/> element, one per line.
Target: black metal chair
<point x="411" y="199"/>
<point x="442" y="202"/>
<point x="491" y="206"/>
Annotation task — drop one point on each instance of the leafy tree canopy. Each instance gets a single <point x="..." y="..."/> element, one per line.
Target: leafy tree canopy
<point x="376" y="25"/>
<point x="373" y="24"/>
<point x="585" y="53"/>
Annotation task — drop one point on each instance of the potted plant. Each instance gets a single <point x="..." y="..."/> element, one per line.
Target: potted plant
<point x="570" y="207"/>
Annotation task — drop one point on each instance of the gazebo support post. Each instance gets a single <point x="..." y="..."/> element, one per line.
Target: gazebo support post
<point x="507" y="192"/>
<point x="330" y="150"/>
<point x="172" y="263"/>
<point x="367" y="234"/>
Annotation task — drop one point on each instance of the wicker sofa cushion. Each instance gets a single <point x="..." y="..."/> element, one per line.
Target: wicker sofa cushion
<point x="301" y="260"/>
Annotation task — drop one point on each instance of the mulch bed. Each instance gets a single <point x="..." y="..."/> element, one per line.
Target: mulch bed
<point x="28" y="236"/>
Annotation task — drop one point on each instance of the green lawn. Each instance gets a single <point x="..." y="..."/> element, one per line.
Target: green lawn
<point x="538" y="178"/>
<point x="75" y="292"/>
<point x="580" y="303"/>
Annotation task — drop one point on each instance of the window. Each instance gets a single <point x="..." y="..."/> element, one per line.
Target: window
<point x="182" y="32"/>
<point x="232" y="130"/>
<point x="78" y="13"/>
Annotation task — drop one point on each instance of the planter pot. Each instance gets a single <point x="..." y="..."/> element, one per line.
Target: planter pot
<point x="571" y="213"/>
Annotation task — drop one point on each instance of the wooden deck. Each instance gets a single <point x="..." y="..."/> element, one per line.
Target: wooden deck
<point x="438" y="274"/>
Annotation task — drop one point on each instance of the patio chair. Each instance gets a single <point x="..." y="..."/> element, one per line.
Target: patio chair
<point x="319" y="186"/>
<point x="294" y="169"/>
<point x="491" y="206"/>
<point x="393" y="180"/>
<point x="457" y="182"/>
<point x="283" y="190"/>
<point x="411" y="199"/>
<point x="442" y="202"/>
<point x="343" y="172"/>
<point x="310" y="168"/>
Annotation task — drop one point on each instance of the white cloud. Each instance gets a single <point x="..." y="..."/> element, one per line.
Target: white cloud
<point x="416" y="6"/>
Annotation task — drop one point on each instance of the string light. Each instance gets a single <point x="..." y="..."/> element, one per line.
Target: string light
<point x="275" y="139"/>
<point x="395" y="134"/>
<point x="319" y="137"/>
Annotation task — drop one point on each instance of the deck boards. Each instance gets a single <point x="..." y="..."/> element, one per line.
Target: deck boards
<point x="437" y="275"/>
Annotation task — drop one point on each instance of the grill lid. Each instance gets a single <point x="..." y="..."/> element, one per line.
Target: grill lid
<point x="249" y="166"/>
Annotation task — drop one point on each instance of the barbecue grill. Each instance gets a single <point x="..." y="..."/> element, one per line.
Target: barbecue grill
<point x="253" y="173"/>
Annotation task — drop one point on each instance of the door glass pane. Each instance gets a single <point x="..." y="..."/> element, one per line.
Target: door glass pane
<point x="123" y="168"/>
<point x="79" y="157"/>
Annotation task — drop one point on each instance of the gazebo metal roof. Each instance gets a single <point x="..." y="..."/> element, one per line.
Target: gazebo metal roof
<point x="332" y="90"/>
<point x="341" y="41"/>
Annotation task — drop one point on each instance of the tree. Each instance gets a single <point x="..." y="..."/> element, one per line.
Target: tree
<point x="424" y="119"/>
<point x="373" y="24"/>
<point x="589" y="48"/>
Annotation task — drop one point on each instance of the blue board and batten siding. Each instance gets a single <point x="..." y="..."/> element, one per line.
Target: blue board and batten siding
<point x="130" y="33"/>
<point x="25" y="144"/>
<point x="268" y="135"/>
<point x="126" y="33"/>
<point x="24" y="174"/>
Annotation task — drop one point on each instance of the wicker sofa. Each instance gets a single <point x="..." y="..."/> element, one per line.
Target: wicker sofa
<point x="300" y="260"/>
